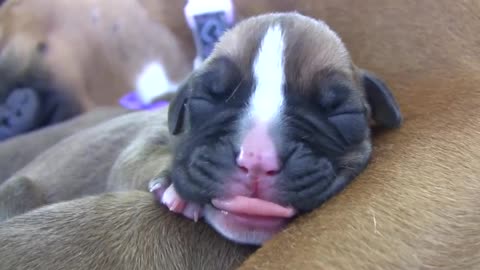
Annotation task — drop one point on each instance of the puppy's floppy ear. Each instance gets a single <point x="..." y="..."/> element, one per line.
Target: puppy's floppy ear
<point x="177" y="108"/>
<point x="385" y="110"/>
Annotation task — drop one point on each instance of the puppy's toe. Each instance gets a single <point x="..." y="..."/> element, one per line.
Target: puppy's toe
<point x="157" y="185"/>
<point x="172" y="200"/>
<point x="169" y="197"/>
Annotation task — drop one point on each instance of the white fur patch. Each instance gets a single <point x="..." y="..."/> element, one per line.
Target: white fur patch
<point x="153" y="82"/>
<point x="268" y="69"/>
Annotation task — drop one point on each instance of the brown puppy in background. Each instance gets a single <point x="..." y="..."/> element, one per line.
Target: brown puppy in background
<point x="61" y="58"/>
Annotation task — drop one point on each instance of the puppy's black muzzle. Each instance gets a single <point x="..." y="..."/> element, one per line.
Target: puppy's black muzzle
<point x="19" y="113"/>
<point x="25" y="109"/>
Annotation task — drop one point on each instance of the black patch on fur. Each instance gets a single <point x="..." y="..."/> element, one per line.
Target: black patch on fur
<point x="385" y="110"/>
<point x="42" y="47"/>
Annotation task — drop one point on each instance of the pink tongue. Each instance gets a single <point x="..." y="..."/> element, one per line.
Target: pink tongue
<point x="253" y="206"/>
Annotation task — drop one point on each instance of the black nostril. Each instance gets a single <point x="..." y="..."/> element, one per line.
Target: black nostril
<point x="18" y="113"/>
<point x="243" y="169"/>
<point x="4" y="121"/>
<point x="272" y="173"/>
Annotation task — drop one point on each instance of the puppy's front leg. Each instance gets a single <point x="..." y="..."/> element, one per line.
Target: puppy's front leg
<point x="164" y="191"/>
<point x="19" y="195"/>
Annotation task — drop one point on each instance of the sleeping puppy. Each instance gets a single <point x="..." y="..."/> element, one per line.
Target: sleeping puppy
<point x="272" y="125"/>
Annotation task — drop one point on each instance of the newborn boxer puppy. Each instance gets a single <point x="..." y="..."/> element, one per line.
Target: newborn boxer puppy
<point x="273" y="124"/>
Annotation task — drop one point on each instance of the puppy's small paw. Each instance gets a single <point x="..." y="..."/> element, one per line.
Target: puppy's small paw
<point x="173" y="201"/>
<point x="158" y="185"/>
<point x="168" y="196"/>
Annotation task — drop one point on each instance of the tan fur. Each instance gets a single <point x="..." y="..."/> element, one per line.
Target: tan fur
<point x="315" y="46"/>
<point x="113" y="231"/>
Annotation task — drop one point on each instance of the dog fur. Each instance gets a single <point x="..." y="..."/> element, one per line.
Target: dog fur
<point x="151" y="237"/>
<point x="415" y="207"/>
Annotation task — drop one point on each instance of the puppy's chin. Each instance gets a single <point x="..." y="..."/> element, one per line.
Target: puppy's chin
<point x="244" y="229"/>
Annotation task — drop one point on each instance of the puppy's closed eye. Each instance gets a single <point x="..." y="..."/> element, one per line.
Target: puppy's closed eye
<point x="333" y="99"/>
<point x="216" y="89"/>
<point x="217" y="83"/>
<point x="352" y="126"/>
<point x="349" y="118"/>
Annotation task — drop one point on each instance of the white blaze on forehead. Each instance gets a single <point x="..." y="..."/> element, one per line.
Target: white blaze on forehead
<point x="268" y="70"/>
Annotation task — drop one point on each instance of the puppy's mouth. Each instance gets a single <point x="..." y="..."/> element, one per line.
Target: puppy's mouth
<point x="248" y="220"/>
<point x="252" y="208"/>
<point x="241" y="218"/>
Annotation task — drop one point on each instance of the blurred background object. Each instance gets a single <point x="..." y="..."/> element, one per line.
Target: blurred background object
<point x="61" y="58"/>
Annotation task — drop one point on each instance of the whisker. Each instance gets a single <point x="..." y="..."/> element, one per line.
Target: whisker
<point x="235" y="90"/>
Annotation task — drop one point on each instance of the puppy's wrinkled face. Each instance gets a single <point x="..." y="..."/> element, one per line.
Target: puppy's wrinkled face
<point x="275" y="123"/>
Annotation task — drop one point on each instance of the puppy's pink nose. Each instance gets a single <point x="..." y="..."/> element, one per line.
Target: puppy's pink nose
<point x="258" y="156"/>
